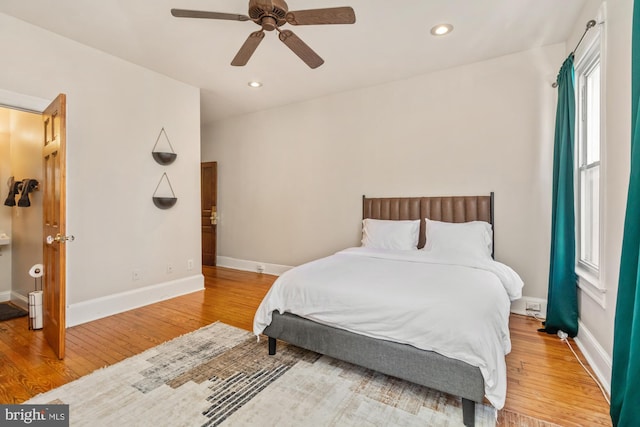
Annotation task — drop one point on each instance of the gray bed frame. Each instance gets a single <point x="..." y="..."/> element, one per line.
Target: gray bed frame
<point x="425" y="368"/>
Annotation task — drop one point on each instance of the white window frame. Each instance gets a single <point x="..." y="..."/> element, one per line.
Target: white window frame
<point x="590" y="279"/>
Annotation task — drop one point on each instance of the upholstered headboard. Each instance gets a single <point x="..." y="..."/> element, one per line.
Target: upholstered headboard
<point x="446" y="209"/>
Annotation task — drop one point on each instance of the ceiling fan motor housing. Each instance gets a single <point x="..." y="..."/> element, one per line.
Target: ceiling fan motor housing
<point x="268" y="13"/>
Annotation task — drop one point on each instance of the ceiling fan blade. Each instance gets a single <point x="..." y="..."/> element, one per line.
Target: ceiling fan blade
<point x="301" y="49"/>
<point x="184" y="13"/>
<point x="332" y="15"/>
<point x="247" y="49"/>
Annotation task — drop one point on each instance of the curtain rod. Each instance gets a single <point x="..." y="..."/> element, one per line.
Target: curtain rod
<point x="590" y="25"/>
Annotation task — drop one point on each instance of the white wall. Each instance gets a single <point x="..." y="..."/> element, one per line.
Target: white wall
<point x="115" y="113"/>
<point x="597" y="320"/>
<point x="291" y="178"/>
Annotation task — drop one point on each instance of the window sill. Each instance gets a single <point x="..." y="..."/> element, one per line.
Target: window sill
<point x="591" y="286"/>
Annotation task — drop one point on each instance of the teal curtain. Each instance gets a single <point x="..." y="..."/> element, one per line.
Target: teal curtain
<point x="625" y="374"/>
<point x="562" y="304"/>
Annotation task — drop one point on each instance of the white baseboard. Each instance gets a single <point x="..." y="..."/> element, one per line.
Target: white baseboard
<point x="98" y="308"/>
<point x="246" y="265"/>
<point x="20" y="300"/>
<point x="15" y="298"/>
<point x="599" y="361"/>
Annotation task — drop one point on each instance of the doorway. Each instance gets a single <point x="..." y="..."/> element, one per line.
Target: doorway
<point x="35" y="145"/>
<point x="209" y="211"/>
<point x="21" y="136"/>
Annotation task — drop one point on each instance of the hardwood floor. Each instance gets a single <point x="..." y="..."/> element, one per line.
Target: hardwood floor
<point x="544" y="379"/>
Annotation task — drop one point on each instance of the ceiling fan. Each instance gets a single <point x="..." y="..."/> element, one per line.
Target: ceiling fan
<point x="271" y="15"/>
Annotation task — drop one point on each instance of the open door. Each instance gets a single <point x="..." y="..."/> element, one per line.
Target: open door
<point x="54" y="214"/>
<point x="209" y="213"/>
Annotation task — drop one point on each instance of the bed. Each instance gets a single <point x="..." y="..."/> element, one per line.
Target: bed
<point x="346" y="319"/>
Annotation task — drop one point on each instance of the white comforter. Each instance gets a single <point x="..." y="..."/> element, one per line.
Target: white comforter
<point x="456" y="307"/>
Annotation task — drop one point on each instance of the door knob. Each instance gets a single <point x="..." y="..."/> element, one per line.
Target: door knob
<point x="60" y="239"/>
<point x="214" y="215"/>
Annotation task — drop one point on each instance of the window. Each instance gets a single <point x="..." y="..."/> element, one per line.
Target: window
<point x="588" y="163"/>
<point x="588" y="149"/>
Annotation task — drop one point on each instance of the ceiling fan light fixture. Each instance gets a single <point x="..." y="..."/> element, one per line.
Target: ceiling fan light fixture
<point x="254" y="84"/>
<point x="441" y="29"/>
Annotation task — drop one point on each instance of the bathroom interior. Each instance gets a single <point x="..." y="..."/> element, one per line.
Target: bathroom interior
<point x="21" y="228"/>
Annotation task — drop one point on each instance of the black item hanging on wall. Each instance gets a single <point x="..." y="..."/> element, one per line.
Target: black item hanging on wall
<point x="164" y="202"/>
<point x="163" y="157"/>
<point x="14" y="189"/>
<point x="28" y="185"/>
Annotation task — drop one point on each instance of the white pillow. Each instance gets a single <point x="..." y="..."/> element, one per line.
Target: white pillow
<point x="466" y="238"/>
<point x="390" y="234"/>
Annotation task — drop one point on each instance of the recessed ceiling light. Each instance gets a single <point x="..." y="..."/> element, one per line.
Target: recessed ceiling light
<point x="254" y="84"/>
<point x="441" y="29"/>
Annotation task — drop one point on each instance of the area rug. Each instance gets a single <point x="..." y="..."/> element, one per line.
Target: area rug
<point x="221" y="375"/>
<point x="10" y="311"/>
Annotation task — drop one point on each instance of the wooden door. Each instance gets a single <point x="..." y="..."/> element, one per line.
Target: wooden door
<point x="54" y="214"/>
<point x="209" y="198"/>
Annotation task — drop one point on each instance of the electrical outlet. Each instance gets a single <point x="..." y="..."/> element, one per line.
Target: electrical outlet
<point x="169" y="268"/>
<point x="533" y="306"/>
<point x="189" y="264"/>
<point x="260" y="268"/>
<point x="136" y="275"/>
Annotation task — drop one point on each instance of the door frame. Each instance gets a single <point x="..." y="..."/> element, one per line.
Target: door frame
<point x="18" y="101"/>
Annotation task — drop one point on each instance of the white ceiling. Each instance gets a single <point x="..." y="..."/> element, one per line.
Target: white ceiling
<point x="389" y="41"/>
